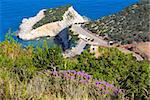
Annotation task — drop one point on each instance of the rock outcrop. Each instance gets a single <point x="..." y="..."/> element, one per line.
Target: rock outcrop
<point x="50" y="29"/>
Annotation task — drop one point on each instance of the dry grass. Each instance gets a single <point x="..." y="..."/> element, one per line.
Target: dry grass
<point x="144" y="48"/>
<point x="44" y="87"/>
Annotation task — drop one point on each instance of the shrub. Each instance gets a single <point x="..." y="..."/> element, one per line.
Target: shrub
<point x="25" y="70"/>
<point x="48" y="58"/>
<point x="115" y="66"/>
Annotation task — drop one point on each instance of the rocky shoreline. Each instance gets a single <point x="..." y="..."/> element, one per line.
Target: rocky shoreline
<point x="26" y="25"/>
<point x="50" y="29"/>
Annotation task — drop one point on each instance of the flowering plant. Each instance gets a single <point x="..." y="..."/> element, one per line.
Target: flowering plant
<point x="104" y="88"/>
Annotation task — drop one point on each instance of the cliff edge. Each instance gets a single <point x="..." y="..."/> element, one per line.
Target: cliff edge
<point x="49" y="22"/>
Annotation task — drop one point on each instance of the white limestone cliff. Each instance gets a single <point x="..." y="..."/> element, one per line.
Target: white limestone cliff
<point x="51" y="29"/>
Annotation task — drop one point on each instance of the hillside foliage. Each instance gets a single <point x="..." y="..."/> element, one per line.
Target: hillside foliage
<point x="25" y="73"/>
<point x="128" y="26"/>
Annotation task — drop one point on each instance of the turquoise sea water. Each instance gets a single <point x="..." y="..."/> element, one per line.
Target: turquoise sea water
<point x="13" y="11"/>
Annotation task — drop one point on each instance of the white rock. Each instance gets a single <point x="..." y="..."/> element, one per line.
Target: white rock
<point x="51" y="29"/>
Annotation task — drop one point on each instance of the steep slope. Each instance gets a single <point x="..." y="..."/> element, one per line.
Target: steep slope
<point x="128" y="26"/>
<point x="49" y="22"/>
<point x="143" y="49"/>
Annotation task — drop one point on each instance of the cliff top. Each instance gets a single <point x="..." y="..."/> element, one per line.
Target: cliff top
<point x="52" y="15"/>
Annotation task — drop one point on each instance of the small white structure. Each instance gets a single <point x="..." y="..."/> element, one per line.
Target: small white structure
<point x="95" y="49"/>
<point x="110" y="42"/>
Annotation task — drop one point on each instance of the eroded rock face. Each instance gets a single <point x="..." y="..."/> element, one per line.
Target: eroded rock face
<point x="26" y="26"/>
<point x="51" y="29"/>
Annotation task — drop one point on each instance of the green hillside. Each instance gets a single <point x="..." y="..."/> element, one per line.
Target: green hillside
<point x="41" y="72"/>
<point x="128" y="26"/>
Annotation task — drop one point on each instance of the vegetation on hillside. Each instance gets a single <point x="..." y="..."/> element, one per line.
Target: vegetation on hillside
<point x="73" y="38"/>
<point x="115" y="66"/>
<point x="128" y="26"/>
<point x="40" y="73"/>
<point x="26" y="73"/>
<point x="52" y="15"/>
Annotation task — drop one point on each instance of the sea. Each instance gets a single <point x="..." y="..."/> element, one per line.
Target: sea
<point x="13" y="11"/>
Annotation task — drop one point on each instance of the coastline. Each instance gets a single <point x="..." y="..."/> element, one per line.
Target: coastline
<point x="51" y="29"/>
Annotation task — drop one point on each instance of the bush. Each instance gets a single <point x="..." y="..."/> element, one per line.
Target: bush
<point x="48" y="58"/>
<point x="13" y="57"/>
<point x="25" y="70"/>
<point x="115" y="66"/>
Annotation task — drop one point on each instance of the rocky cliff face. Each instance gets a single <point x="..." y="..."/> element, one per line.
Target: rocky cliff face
<point x="50" y="29"/>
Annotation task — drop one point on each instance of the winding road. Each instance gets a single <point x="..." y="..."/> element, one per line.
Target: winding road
<point x="98" y="41"/>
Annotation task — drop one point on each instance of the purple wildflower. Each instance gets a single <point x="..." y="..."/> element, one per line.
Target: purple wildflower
<point x="54" y="73"/>
<point x="72" y="77"/>
<point x="97" y="83"/>
<point x="73" y="71"/>
<point x="80" y="73"/>
<point x="83" y="81"/>
<point x="88" y="77"/>
<point x="103" y="87"/>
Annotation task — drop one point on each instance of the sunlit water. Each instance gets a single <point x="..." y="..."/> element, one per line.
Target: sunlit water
<point x="13" y="11"/>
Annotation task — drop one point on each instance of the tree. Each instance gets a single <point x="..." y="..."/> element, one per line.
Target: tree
<point x="48" y="57"/>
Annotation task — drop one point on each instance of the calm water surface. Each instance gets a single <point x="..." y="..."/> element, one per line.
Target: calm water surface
<point x="13" y="11"/>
